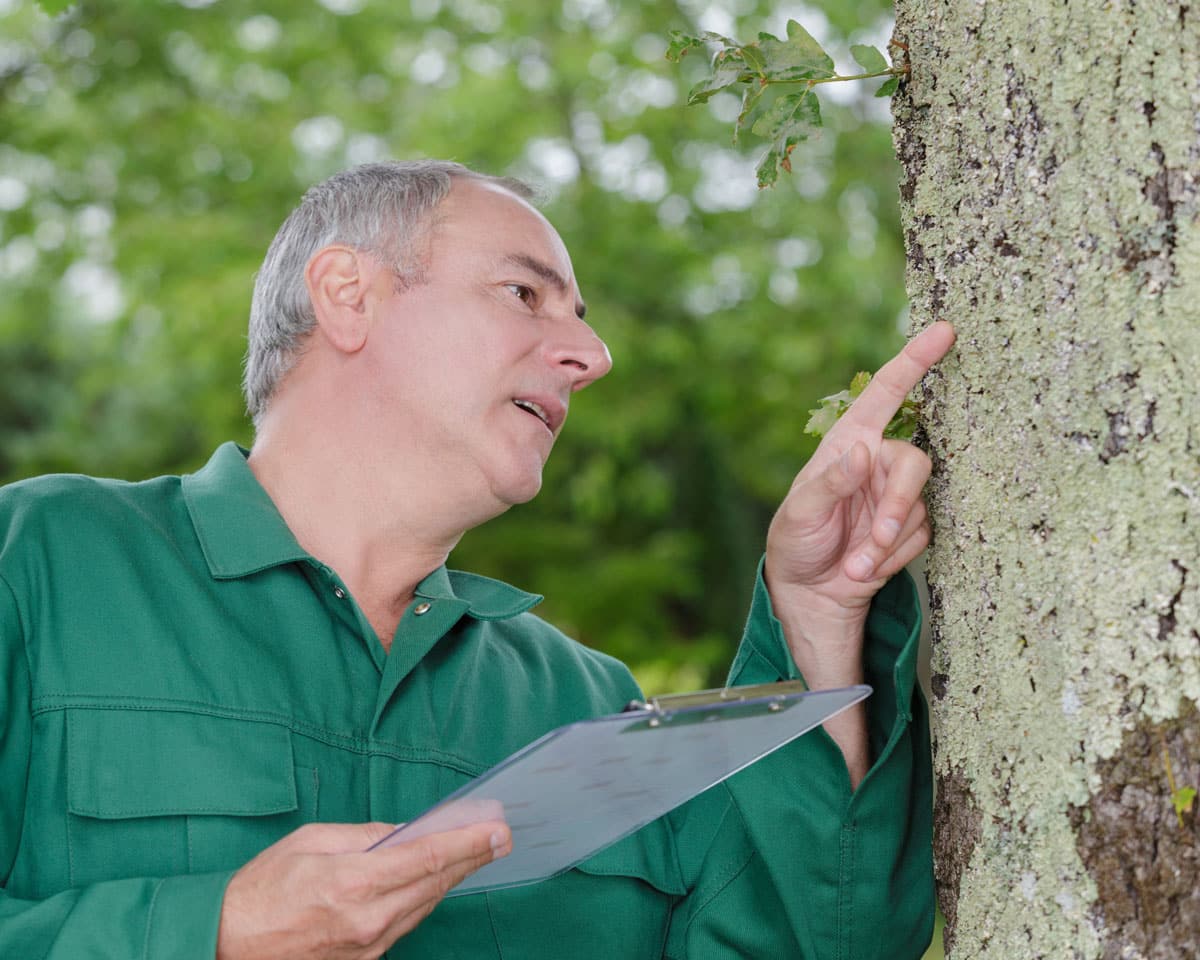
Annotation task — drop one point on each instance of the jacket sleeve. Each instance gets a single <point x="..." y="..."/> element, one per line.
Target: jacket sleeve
<point x="172" y="918"/>
<point x="809" y="868"/>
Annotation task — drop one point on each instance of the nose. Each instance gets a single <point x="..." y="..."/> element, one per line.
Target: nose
<point x="583" y="354"/>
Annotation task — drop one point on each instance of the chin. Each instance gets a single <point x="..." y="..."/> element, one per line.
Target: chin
<point x="515" y="490"/>
<point x="525" y="493"/>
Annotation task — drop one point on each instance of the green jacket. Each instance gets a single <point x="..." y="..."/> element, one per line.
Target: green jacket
<point x="181" y="685"/>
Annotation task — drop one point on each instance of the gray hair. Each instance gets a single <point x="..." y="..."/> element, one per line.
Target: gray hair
<point x="380" y="208"/>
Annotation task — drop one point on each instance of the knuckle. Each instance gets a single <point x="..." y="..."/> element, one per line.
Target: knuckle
<point x="431" y="858"/>
<point x="444" y="882"/>
<point x="363" y="932"/>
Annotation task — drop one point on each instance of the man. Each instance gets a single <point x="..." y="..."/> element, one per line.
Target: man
<point x="217" y="691"/>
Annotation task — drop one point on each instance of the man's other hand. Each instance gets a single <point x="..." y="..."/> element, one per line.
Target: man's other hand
<point x="853" y="517"/>
<point x="318" y="894"/>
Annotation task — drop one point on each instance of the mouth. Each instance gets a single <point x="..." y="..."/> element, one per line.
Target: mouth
<point x="550" y="418"/>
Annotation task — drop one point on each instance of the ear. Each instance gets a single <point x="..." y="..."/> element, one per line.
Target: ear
<point x="338" y="278"/>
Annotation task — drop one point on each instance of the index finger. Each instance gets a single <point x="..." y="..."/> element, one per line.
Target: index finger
<point x="878" y="403"/>
<point x="472" y="846"/>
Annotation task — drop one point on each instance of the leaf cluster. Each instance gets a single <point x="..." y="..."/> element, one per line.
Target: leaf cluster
<point x="831" y="408"/>
<point x="797" y="60"/>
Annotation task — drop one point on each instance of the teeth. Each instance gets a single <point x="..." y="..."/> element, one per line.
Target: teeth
<point x="535" y="409"/>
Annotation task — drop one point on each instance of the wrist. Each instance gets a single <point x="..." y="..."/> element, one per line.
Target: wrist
<point x="825" y="638"/>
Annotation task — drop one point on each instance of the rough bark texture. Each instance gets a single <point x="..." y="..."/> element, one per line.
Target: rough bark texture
<point x="1051" y="199"/>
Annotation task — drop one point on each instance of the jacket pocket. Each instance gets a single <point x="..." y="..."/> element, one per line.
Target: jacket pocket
<point x="157" y="792"/>
<point x="616" y="903"/>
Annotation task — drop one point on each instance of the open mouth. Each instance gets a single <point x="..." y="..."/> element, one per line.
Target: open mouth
<point x="536" y="410"/>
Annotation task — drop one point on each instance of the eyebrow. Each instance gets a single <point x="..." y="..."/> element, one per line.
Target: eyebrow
<point x="547" y="273"/>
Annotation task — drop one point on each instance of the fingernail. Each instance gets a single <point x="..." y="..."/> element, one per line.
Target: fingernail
<point x="846" y="462"/>
<point x="860" y="567"/>
<point x="498" y="840"/>
<point x="891" y="529"/>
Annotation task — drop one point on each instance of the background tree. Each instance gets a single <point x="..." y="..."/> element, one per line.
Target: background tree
<point x="1050" y="206"/>
<point x="149" y="150"/>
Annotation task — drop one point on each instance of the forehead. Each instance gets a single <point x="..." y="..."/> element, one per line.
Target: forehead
<point x="486" y="220"/>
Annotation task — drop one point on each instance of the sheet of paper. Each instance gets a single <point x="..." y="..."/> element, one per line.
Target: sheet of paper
<point x="586" y="785"/>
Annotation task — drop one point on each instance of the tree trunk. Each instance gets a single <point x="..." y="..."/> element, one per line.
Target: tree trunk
<point x="1051" y="153"/>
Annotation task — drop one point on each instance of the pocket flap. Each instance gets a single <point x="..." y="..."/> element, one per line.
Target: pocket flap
<point x="146" y="763"/>
<point x="648" y="854"/>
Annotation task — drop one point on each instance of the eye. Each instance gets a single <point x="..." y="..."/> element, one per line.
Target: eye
<point x="521" y="292"/>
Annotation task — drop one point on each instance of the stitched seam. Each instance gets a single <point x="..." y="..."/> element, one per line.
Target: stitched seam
<point x="29" y="751"/>
<point x="487" y="899"/>
<point x="51" y="703"/>
<point x="845" y="879"/>
<point x="734" y="873"/>
<point x="316" y="804"/>
<point x="725" y="882"/>
<point x="24" y="629"/>
<point x="70" y="849"/>
<point x="755" y="652"/>
<point x="389" y="748"/>
<point x="135" y="812"/>
<point x="157" y="811"/>
<point x="150" y="919"/>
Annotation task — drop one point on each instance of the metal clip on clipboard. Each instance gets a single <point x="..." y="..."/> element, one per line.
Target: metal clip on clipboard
<point x="587" y="785"/>
<point x="725" y="703"/>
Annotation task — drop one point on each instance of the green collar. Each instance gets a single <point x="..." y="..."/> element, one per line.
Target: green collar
<point x="241" y="533"/>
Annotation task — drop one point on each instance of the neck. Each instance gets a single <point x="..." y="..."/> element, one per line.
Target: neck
<point x="382" y="533"/>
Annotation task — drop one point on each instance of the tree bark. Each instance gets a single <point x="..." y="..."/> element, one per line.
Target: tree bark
<point x="1051" y="156"/>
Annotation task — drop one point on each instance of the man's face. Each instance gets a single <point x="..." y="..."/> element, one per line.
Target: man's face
<point x="473" y="368"/>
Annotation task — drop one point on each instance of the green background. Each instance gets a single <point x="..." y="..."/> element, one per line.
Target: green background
<point x="149" y="150"/>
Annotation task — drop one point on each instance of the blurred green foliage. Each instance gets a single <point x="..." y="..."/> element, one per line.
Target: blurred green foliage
<point x="149" y="150"/>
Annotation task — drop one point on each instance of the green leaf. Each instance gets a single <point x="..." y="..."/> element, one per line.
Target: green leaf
<point x="1182" y="799"/>
<point x="821" y="421"/>
<point x="799" y="57"/>
<point x="767" y="170"/>
<point x="754" y="59"/>
<point x="888" y="87"/>
<point x="790" y="119"/>
<point x="55" y="7"/>
<point x="797" y="34"/>
<point x="750" y="97"/>
<point x="903" y="424"/>
<point x="681" y="43"/>
<point x="858" y="384"/>
<point x="726" y="71"/>
<point x="827" y="413"/>
<point x="870" y="59"/>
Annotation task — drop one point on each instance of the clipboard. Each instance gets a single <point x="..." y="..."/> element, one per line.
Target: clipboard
<point x="586" y="785"/>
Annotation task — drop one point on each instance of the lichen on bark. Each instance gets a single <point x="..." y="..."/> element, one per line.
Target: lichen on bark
<point x="1052" y="211"/>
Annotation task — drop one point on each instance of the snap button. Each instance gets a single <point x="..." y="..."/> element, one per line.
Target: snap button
<point x="339" y="593"/>
<point x="422" y="608"/>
